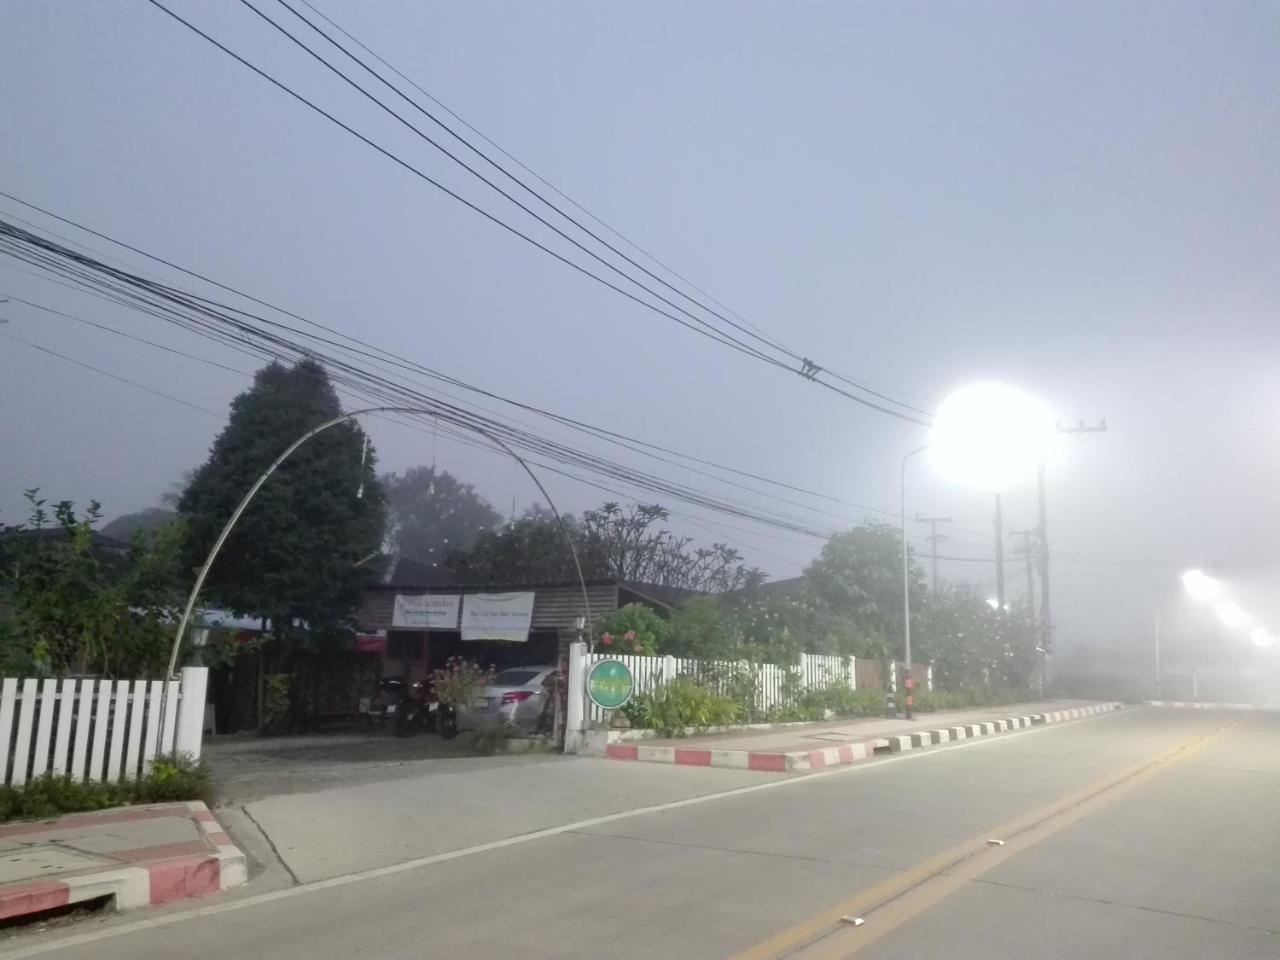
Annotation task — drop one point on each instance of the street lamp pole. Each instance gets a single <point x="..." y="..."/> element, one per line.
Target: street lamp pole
<point x="909" y="700"/>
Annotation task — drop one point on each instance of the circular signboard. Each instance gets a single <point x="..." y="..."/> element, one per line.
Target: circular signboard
<point x="609" y="684"/>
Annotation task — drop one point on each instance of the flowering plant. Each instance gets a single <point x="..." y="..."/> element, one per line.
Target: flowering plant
<point x="459" y="681"/>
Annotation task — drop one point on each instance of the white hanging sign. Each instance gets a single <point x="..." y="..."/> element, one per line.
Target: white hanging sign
<point x="426" y="611"/>
<point x="497" y="616"/>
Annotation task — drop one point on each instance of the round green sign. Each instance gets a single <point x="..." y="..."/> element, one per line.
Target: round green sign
<point x="609" y="684"/>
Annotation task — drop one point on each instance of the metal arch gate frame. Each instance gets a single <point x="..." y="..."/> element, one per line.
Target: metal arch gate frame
<point x="248" y="498"/>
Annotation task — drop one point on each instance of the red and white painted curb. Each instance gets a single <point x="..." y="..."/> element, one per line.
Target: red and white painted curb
<point x="845" y="753"/>
<point x="163" y="873"/>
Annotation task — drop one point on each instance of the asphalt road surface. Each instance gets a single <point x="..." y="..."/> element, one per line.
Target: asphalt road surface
<point x="1149" y="833"/>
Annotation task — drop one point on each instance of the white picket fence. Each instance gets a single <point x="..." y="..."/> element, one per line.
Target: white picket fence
<point x="771" y="680"/>
<point x="97" y="729"/>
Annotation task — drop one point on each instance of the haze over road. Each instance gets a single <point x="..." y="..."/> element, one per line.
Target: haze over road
<point x="1150" y="827"/>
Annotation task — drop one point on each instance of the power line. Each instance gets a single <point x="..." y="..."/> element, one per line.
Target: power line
<point x="743" y="326"/>
<point x="384" y="356"/>
<point x="808" y="369"/>
<point x="106" y="373"/>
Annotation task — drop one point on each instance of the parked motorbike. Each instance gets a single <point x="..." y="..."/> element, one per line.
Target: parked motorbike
<point x="417" y="709"/>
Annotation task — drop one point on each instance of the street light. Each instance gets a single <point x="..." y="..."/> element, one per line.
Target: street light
<point x="985" y="435"/>
<point x="991" y="437"/>
<point x="1200" y="586"/>
<point x="1231" y="614"/>
<point x="1261" y="637"/>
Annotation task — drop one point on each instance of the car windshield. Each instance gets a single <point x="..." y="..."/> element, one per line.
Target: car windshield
<point x="514" y="678"/>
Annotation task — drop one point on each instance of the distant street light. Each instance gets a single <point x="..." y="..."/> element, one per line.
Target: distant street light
<point x="1261" y="637"/>
<point x="1231" y="614"/>
<point x="1200" y="586"/>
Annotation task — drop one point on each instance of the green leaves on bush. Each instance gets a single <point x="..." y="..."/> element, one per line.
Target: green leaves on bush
<point x="681" y="704"/>
<point x="170" y="779"/>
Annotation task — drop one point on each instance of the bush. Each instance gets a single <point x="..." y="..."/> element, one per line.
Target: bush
<point x="680" y="704"/>
<point x="843" y="702"/>
<point x="926" y="701"/>
<point x="170" y="779"/>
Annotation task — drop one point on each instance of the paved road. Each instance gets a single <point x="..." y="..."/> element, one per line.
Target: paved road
<point x="1145" y="833"/>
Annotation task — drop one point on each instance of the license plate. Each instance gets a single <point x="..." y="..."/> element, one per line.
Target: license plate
<point x="391" y="708"/>
<point x="480" y="703"/>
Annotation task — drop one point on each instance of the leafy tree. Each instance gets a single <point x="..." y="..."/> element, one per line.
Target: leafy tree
<point x="430" y="513"/>
<point x="528" y="550"/>
<point x="73" y="602"/>
<point x="629" y="545"/>
<point x="971" y="645"/>
<point x="858" y="577"/>
<point x="296" y="550"/>
<point x="148" y="520"/>
<point x="633" y="628"/>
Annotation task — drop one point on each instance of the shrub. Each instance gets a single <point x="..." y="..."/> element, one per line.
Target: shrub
<point x="458" y="681"/>
<point x="680" y="704"/>
<point x="170" y="779"/>
<point x="633" y="628"/>
<point x="843" y="702"/>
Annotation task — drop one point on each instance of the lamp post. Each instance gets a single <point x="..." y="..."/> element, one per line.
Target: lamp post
<point x="248" y="497"/>
<point x="909" y="700"/>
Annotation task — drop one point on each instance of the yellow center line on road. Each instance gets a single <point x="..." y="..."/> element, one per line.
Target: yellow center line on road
<point x="890" y="903"/>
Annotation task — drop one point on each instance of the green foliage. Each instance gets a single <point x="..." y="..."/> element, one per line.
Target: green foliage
<point x="683" y="703"/>
<point x="431" y="512"/>
<point x="973" y="647"/>
<point x="858" y="577"/>
<point x="629" y="545"/>
<point x="487" y="742"/>
<point x="700" y="629"/>
<point x="170" y="779"/>
<point x="73" y="602"/>
<point x="927" y="701"/>
<point x="275" y="701"/>
<point x="295" y="552"/>
<point x="150" y="520"/>
<point x="633" y="628"/>
<point x="458" y="682"/>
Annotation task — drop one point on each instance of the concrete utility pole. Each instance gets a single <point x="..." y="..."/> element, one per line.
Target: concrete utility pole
<point x="1026" y="536"/>
<point x="1042" y="530"/>
<point x="934" y="539"/>
<point x="999" y="555"/>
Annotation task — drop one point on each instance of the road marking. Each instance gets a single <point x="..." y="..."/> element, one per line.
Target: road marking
<point x="315" y="886"/>
<point x="898" y="899"/>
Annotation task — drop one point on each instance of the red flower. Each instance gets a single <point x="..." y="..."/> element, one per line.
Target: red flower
<point x="629" y="635"/>
<point x="606" y="641"/>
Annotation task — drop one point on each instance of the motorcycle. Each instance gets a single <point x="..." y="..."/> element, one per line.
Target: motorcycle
<point x="417" y="709"/>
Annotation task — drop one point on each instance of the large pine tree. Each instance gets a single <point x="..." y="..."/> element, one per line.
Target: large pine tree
<point x="295" y="552"/>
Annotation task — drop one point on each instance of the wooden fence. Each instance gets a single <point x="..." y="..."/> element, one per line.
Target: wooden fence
<point x="89" y="729"/>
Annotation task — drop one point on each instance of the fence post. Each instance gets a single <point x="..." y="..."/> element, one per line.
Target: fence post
<point x="668" y="668"/>
<point x="928" y="678"/>
<point x="853" y="673"/>
<point x="575" y="697"/>
<point x="195" y="682"/>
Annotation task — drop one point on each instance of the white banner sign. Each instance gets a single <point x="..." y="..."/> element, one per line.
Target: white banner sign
<point x="497" y="616"/>
<point x="427" y="611"/>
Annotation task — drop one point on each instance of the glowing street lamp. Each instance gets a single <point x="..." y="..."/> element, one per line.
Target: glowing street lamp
<point x="992" y="437"/>
<point x="1261" y="637"/>
<point x="1200" y="586"/>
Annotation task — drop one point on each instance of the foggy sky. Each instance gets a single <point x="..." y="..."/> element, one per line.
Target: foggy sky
<point x="1080" y="199"/>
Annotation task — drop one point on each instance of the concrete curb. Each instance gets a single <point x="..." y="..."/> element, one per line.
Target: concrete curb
<point x="1201" y="705"/>
<point x="162" y="874"/>
<point x="845" y="753"/>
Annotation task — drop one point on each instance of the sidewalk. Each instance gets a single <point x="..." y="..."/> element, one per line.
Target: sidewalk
<point x="814" y="746"/>
<point x="139" y="856"/>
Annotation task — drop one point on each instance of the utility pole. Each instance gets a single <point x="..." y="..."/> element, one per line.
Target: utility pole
<point x="934" y="539"/>
<point x="999" y="555"/>
<point x="1042" y="530"/>
<point x="1027" y="555"/>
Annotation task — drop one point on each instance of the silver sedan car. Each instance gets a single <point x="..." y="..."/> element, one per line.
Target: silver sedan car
<point x="516" y="697"/>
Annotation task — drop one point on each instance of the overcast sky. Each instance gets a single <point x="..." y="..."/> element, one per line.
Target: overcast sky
<point x="1082" y="199"/>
